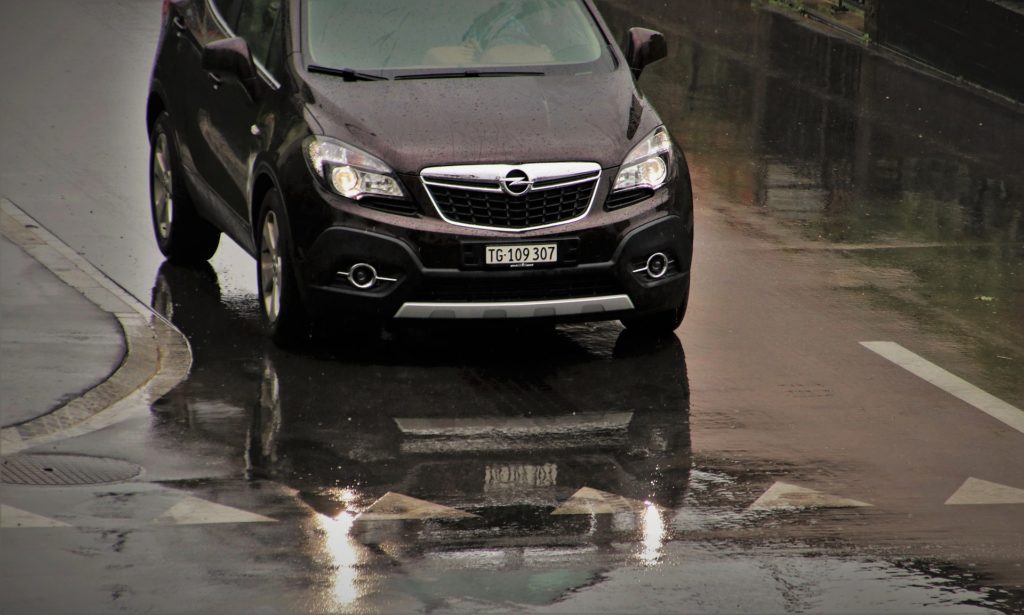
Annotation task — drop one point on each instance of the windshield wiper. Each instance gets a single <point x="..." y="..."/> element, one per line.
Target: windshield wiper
<point x="347" y="74"/>
<point x="472" y="73"/>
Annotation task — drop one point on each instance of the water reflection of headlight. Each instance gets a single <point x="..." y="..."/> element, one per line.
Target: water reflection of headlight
<point x="652" y="530"/>
<point x="344" y="553"/>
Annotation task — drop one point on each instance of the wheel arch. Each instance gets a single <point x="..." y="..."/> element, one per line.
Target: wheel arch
<point x="155" y="105"/>
<point x="263" y="182"/>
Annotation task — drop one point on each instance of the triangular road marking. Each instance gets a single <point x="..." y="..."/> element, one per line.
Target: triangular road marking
<point x="16" y="517"/>
<point x="977" y="491"/>
<point x="588" y="501"/>
<point x="781" y="496"/>
<point x="195" y="511"/>
<point x="394" y="506"/>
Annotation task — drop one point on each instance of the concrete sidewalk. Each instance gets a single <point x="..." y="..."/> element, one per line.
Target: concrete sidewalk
<point x="54" y="343"/>
<point x="77" y="352"/>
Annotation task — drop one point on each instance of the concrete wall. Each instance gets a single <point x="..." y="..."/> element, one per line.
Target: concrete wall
<point x="981" y="41"/>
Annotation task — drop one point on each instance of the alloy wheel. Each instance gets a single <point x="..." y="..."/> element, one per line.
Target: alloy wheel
<point x="270" y="267"/>
<point x="163" y="201"/>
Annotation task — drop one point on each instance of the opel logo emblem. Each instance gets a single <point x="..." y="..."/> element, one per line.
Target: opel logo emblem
<point x="516" y="183"/>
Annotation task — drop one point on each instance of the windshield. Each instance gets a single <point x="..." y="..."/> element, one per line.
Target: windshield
<point x="413" y="36"/>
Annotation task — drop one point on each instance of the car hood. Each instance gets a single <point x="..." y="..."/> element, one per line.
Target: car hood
<point x="413" y="124"/>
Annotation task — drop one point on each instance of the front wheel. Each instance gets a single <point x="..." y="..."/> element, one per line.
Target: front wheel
<point x="280" y="301"/>
<point x="181" y="234"/>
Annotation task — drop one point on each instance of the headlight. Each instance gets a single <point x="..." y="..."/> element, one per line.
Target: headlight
<point x="648" y="165"/>
<point x="350" y="171"/>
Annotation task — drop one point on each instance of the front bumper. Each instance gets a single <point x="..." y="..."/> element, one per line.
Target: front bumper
<point x="608" y="289"/>
<point x="553" y="308"/>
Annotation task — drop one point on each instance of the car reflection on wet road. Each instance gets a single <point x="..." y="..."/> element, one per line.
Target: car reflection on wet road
<point x="506" y="439"/>
<point x="502" y="423"/>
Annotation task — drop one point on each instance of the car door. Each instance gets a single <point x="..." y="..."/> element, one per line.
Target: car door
<point x="227" y="116"/>
<point x="191" y="25"/>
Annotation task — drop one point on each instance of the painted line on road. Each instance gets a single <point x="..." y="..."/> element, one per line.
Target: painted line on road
<point x="784" y="496"/>
<point x="590" y="501"/>
<point x="978" y="491"/>
<point x="11" y="517"/>
<point x="197" y="511"/>
<point x="157" y="354"/>
<point x="950" y="383"/>
<point x="396" y="506"/>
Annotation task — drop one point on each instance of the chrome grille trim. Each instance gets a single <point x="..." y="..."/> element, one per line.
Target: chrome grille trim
<point x="476" y="188"/>
<point x="486" y="178"/>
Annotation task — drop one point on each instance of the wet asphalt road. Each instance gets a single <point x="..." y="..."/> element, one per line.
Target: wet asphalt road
<point x="841" y="199"/>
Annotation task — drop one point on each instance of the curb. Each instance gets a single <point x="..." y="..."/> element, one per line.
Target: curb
<point x="157" y="355"/>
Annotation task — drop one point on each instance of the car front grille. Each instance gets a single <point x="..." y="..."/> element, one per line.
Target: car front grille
<point x="479" y="199"/>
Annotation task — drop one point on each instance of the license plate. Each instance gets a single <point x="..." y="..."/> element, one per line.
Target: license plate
<point x="521" y="254"/>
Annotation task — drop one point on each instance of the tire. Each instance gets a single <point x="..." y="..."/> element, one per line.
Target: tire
<point x="659" y="324"/>
<point x="276" y="286"/>
<point x="181" y="234"/>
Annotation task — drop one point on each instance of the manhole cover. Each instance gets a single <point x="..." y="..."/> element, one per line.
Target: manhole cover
<point x="64" y="470"/>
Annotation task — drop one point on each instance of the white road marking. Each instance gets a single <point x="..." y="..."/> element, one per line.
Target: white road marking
<point x="588" y="501"/>
<point x="954" y="385"/>
<point x="784" y="496"/>
<point x="395" y="506"/>
<point x="978" y="491"/>
<point x="196" y="511"/>
<point x="11" y="517"/>
<point x="10" y="441"/>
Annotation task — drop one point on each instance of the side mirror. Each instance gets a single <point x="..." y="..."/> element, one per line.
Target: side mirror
<point x="232" y="56"/>
<point x="644" y="47"/>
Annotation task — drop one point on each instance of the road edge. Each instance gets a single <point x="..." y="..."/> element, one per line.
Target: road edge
<point x="157" y="355"/>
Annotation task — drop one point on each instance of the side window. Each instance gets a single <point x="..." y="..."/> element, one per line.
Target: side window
<point x="217" y="15"/>
<point x="228" y="9"/>
<point x="256" y="24"/>
<point x="275" y="57"/>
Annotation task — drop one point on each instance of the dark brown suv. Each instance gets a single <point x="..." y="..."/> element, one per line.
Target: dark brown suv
<point x="427" y="159"/>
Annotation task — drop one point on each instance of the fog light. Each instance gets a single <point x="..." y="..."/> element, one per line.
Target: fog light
<point x="362" y="276"/>
<point x="657" y="265"/>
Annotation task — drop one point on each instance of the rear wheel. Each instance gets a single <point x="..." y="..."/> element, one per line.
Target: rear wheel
<point x="280" y="301"/>
<point x="181" y="234"/>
